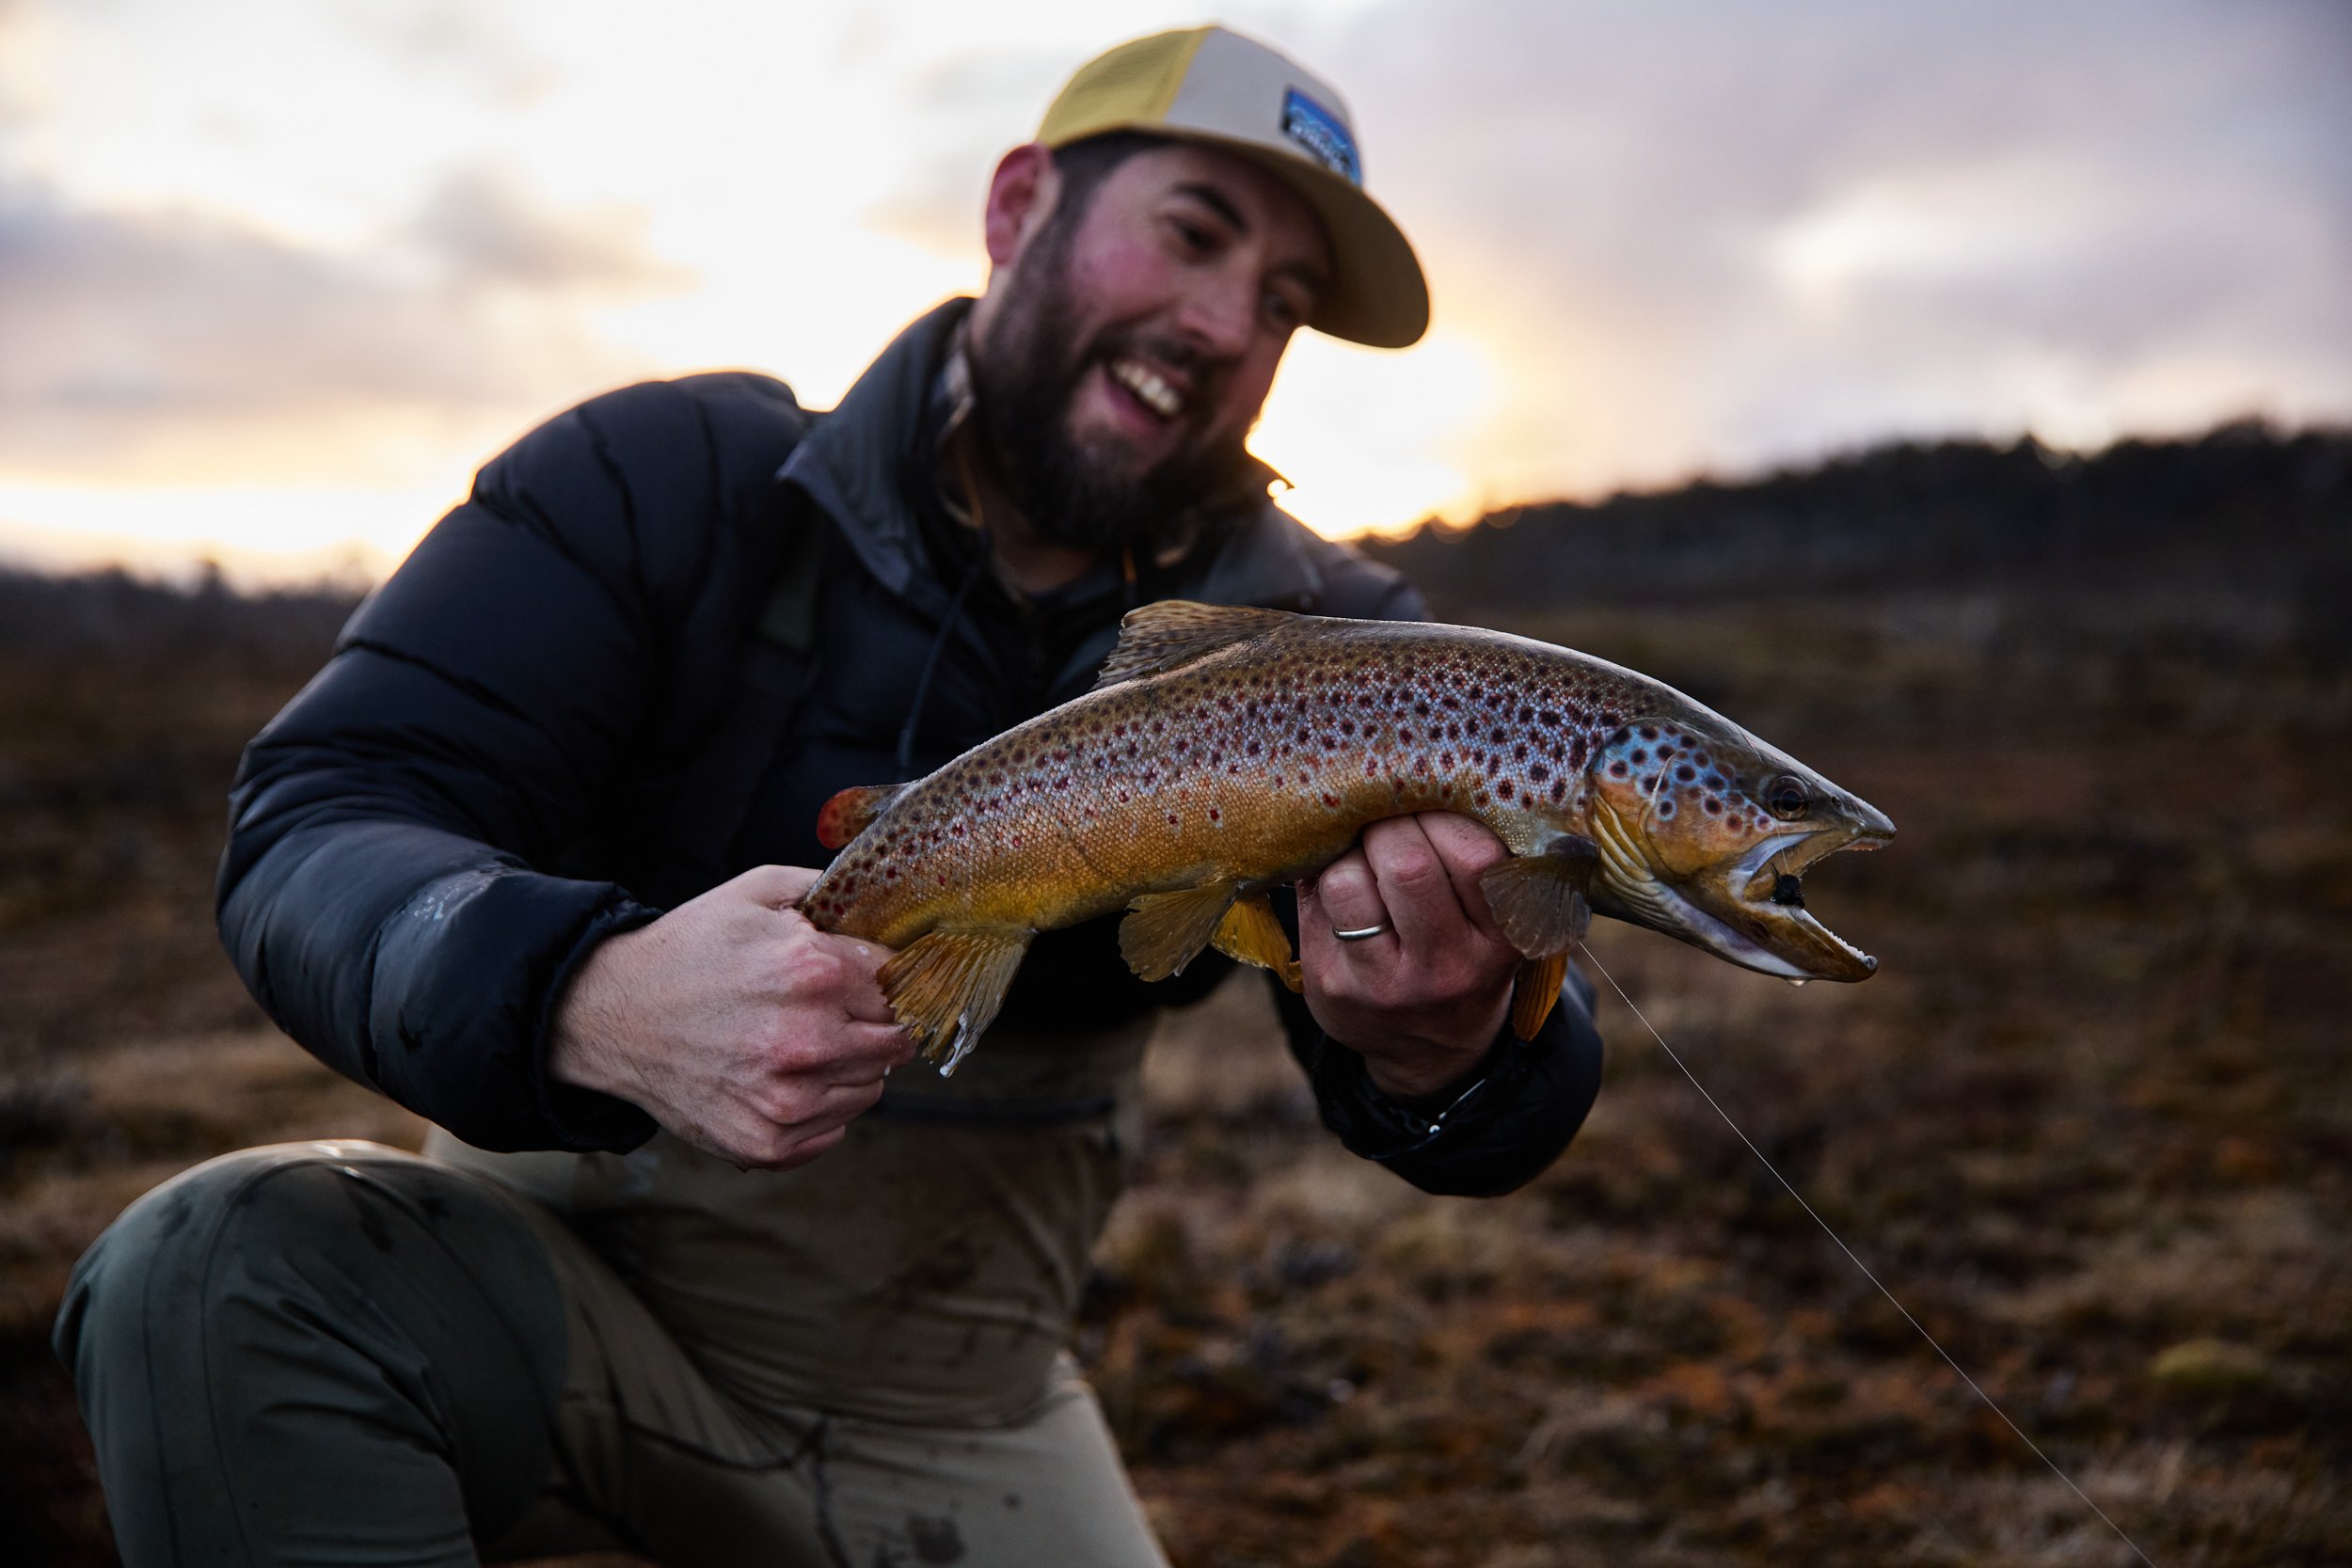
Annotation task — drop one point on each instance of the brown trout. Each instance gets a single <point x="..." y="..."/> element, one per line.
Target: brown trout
<point x="1225" y="750"/>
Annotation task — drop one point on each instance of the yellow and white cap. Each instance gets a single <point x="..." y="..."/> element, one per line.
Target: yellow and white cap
<point x="1212" y="84"/>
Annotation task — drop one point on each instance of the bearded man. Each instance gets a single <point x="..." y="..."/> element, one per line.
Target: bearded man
<point x="680" y="1271"/>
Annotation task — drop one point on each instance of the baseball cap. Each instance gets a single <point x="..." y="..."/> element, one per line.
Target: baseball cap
<point x="1212" y="84"/>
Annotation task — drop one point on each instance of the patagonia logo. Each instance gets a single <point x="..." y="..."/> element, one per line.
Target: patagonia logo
<point x="1321" y="134"/>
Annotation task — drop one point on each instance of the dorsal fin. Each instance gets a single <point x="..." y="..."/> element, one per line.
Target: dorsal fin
<point x="1158" y="638"/>
<point x="852" y="810"/>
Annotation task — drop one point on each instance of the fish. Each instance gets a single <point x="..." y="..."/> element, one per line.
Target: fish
<point x="1225" y="750"/>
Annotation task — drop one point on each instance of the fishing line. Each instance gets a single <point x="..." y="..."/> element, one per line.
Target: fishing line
<point x="1855" y="1259"/>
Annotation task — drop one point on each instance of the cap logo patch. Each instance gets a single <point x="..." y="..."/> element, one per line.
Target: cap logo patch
<point x="1321" y="134"/>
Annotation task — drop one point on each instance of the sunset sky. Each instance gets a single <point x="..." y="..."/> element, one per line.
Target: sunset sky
<point x="277" y="275"/>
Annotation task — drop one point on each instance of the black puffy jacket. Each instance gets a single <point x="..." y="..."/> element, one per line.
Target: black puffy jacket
<point x="548" y="724"/>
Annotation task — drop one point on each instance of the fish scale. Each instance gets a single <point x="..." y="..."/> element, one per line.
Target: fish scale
<point x="1228" y="749"/>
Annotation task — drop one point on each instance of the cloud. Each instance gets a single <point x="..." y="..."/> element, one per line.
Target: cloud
<point x="1724" y="235"/>
<point x="960" y="114"/>
<point x="169" y="344"/>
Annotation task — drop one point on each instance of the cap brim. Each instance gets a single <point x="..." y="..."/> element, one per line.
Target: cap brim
<point x="1378" y="296"/>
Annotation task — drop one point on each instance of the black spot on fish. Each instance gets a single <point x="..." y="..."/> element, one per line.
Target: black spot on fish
<point x="1789" y="891"/>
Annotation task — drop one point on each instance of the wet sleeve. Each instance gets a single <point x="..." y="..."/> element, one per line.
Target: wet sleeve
<point x="1494" y="1131"/>
<point x="383" y="893"/>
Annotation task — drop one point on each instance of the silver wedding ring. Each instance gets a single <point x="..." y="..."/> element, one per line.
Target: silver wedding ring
<point x="1366" y="934"/>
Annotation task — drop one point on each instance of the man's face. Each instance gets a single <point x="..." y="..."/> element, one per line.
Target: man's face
<point x="1124" y="354"/>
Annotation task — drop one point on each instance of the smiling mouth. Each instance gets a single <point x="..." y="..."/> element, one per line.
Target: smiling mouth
<point x="1148" y="387"/>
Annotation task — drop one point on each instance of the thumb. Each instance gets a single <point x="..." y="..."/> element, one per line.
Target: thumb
<point x="779" y="887"/>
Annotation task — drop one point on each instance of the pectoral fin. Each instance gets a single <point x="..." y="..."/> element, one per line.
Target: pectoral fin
<point x="1536" y="992"/>
<point x="1165" y="931"/>
<point x="946" y="986"/>
<point x="1250" y="933"/>
<point x="849" y="813"/>
<point x="1541" y="899"/>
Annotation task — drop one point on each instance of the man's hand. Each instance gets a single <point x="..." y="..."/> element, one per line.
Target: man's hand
<point x="735" y="1023"/>
<point x="1423" y="1001"/>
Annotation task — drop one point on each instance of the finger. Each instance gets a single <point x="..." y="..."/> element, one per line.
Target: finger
<point x="1414" y="887"/>
<point x="1349" y="894"/>
<point x="779" y="887"/>
<point x="1466" y="849"/>
<point x="867" y="1051"/>
<point x="862" y="994"/>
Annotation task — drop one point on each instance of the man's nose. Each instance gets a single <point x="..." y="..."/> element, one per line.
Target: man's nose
<point x="1219" y="313"/>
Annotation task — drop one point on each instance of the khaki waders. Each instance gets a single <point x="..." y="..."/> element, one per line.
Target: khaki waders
<point x="339" y="1352"/>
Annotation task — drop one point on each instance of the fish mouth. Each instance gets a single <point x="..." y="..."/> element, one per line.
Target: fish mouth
<point x="1749" y="910"/>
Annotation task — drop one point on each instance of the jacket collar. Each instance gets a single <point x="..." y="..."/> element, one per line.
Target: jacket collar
<point x="857" y="462"/>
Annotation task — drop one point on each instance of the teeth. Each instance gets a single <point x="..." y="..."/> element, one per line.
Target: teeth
<point x="1147" y="385"/>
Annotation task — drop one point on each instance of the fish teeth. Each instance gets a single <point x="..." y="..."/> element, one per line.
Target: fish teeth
<point x="1149" y="387"/>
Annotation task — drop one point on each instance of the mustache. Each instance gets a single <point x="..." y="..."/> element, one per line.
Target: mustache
<point x="1205" y="371"/>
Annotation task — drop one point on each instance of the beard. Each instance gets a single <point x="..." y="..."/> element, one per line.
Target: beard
<point x="1025" y="378"/>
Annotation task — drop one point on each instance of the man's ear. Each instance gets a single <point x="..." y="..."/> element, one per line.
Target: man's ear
<point x="1020" y="195"/>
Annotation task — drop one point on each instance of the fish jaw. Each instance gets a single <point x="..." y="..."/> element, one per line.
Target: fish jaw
<point x="1705" y="835"/>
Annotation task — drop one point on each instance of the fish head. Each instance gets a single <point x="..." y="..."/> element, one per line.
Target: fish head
<point x="1704" y="833"/>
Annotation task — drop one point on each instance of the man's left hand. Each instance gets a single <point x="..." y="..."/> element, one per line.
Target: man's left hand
<point x="1423" y="999"/>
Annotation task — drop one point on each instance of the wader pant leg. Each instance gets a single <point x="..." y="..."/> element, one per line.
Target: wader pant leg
<point x="339" y="1353"/>
<point x="316" y="1352"/>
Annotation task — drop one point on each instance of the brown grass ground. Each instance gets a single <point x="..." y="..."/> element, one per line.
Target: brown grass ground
<point x="2092" y="1123"/>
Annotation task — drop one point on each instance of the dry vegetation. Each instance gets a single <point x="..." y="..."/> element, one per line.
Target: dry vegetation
<point x="2092" y="1123"/>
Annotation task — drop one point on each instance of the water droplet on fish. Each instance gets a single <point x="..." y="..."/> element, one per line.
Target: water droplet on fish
<point x="1792" y="981"/>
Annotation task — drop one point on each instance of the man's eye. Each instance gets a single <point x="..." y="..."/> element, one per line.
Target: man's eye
<point x="1195" y="237"/>
<point x="1285" y="310"/>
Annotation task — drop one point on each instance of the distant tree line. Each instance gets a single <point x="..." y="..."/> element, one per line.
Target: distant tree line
<point x="112" y="615"/>
<point x="2246" y="508"/>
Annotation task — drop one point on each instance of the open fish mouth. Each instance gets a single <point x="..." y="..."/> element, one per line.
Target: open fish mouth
<point x="1750" y="911"/>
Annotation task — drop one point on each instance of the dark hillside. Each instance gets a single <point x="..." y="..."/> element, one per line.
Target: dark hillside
<point x="2245" y="511"/>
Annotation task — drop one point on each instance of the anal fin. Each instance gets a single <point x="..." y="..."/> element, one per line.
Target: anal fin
<point x="1250" y="933"/>
<point x="1540" y="900"/>
<point x="946" y="986"/>
<point x="1536" y="993"/>
<point x="1165" y="931"/>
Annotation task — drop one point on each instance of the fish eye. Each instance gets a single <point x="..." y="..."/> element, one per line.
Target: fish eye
<point x="1786" y="798"/>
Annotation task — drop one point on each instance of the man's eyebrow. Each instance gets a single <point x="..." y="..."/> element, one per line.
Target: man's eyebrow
<point x="1216" y="201"/>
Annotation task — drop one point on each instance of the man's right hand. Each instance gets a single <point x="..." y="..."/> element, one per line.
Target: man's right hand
<point x="734" y="1022"/>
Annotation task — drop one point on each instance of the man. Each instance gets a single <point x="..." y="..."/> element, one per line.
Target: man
<point x="524" y="856"/>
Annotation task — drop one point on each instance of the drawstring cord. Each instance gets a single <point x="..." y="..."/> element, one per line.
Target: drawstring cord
<point x="948" y="622"/>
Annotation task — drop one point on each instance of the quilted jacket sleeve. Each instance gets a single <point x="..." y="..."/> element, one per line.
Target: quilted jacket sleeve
<point x="384" y="892"/>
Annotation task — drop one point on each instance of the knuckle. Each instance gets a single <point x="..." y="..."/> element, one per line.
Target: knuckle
<point x="810" y="967"/>
<point x="1413" y="866"/>
<point x="783" y="1106"/>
